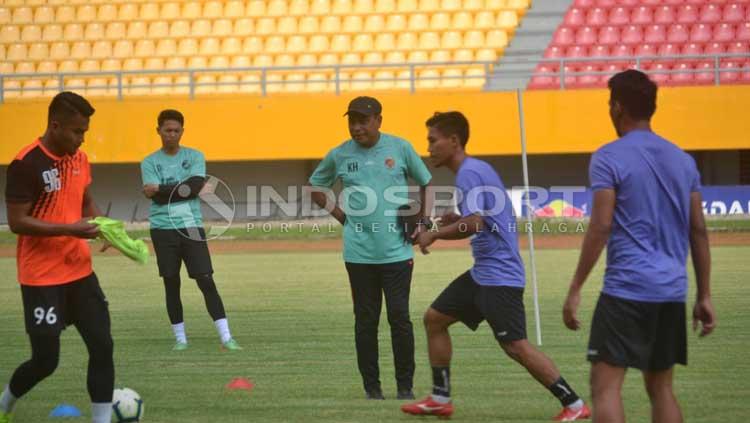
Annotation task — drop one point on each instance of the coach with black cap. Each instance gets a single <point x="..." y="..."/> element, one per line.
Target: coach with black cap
<point x="378" y="260"/>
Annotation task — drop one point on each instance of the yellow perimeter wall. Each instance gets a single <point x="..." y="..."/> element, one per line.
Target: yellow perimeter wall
<point x="306" y="126"/>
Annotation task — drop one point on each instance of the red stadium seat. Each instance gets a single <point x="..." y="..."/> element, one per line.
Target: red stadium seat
<point x="611" y="70"/>
<point x="668" y="50"/>
<point x="641" y="15"/>
<point x="692" y="49"/>
<point x="590" y="80"/>
<point x="730" y="72"/>
<point x="683" y="75"/>
<point x="733" y="12"/>
<point x="596" y="16"/>
<point x="658" y="72"/>
<point x="714" y="48"/>
<point x="543" y="81"/>
<point x="570" y="80"/>
<point x="655" y="34"/>
<point x="609" y="35"/>
<point x="599" y="51"/>
<point x="665" y="15"/>
<point x="584" y="3"/>
<point x="629" y="3"/>
<point x="745" y="75"/>
<point x="700" y="33"/>
<point x="743" y="32"/>
<point x="585" y="36"/>
<point x="675" y="2"/>
<point x="677" y="34"/>
<point x="724" y="32"/>
<point x="645" y="50"/>
<point x="631" y="35"/>
<point x="622" y="51"/>
<point x="619" y="16"/>
<point x="687" y="13"/>
<point x="706" y="76"/>
<point x="575" y="17"/>
<point x="747" y="13"/>
<point x="563" y="36"/>
<point x="710" y="13"/>
<point x="738" y="47"/>
<point x="606" y="3"/>
<point x="576" y="52"/>
<point x="553" y="52"/>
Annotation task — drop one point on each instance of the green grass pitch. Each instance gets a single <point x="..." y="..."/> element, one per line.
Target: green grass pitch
<point x="292" y="313"/>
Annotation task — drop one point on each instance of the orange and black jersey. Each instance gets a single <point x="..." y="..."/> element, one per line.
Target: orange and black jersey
<point x="55" y="187"/>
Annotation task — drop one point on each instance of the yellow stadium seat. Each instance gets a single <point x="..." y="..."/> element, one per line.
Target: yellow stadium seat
<point x="222" y="28"/>
<point x="307" y="60"/>
<point x="231" y="46"/>
<point x="25" y="67"/>
<point x="418" y="56"/>
<point x="192" y="10"/>
<point x="166" y="47"/>
<point x="296" y="44"/>
<point x="450" y="5"/>
<point x="16" y="52"/>
<point x="341" y="7"/>
<point x="6" y="67"/>
<point x="284" y="60"/>
<point x="318" y="43"/>
<point x="519" y="5"/>
<point x="132" y="64"/>
<point x="385" y="6"/>
<point x="403" y="79"/>
<point x="94" y="31"/>
<point x="474" y="77"/>
<point x="275" y="44"/>
<point x="86" y="13"/>
<point x="362" y="43"/>
<point x="200" y="28"/>
<point x="73" y="31"/>
<point x="429" y="40"/>
<point x="59" y="51"/>
<point x="328" y="59"/>
<point x="374" y="23"/>
<point x="111" y="65"/>
<point x="123" y="49"/>
<point x="218" y="62"/>
<point x="265" y="26"/>
<point x="440" y="21"/>
<point x="419" y="22"/>
<point x="276" y="8"/>
<point x="2" y="53"/>
<point x="440" y="56"/>
<point x="106" y="13"/>
<point x="263" y="61"/>
<point x="10" y="34"/>
<point x="361" y="81"/>
<point x="32" y="88"/>
<point x="234" y="9"/>
<point x="406" y="41"/>
<point x="451" y="78"/>
<point x="244" y="26"/>
<point x="22" y="15"/>
<point x="395" y="23"/>
<point x="162" y="84"/>
<point x="320" y="7"/>
<point x="101" y="50"/>
<point x="209" y="46"/>
<point x="255" y="8"/>
<point x="385" y="41"/>
<point x="395" y="57"/>
<point x="363" y="6"/>
<point x="43" y="14"/>
<point x="352" y="24"/>
<point x="384" y="80"/>
<point x="429" y="5"/>
<point x="471" y="5"/>
<point x="241" y="62"/>
<point x="308" y="25"/>
<point x="175" y="62"/>
<point x="149" y="11"/>
<point x="31" y="33"/>
<point x="484" y="20"/>
<point x="250" y="83"/>
<point x="80" y="50"/>
<point x="496" y="38"/>
<point x="330" y="24"/>
<point x="139" y="85"/>
<point x="137" y="29"/>
<point x="126" y="12"/>
<point x="158" y="29"/>
<point x="473" y="39"/>
<point x="486" y="55"/>
<point x="298" y="7"/>
<point x="5" y="16"/>
<point x="89" y="66"/>
<point x="227" y="83"/>
<point x="197" y="62"/>
<point x="274" y="82"/>
<point x="170" y="11"/>
<point x="68" y="66"/>
<point x="52" y="87"/>
<point x="507" y="19"/>
<point x="47" y="67"/>
<point x="462" y="20"/>
<point x="52" y="32"/>
<point x="180" y="85"/>
<point x="495" y="4"/>
<point x="145" y="48"/>
<point x="428" y="78"/>
<point x="340" y="43"/>
<point x="213" y="9"/>
<point x="65" y="14"/>
<point x="373" y="58"/>
<point x="252" y="45"/>
<point x="317" y="82"/>
<point x="407" y="6"/>
<point x="179" y="29"/>
<point x="287" y="25"/>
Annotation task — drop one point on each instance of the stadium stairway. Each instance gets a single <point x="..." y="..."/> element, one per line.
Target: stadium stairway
<point x="515" y="67"/>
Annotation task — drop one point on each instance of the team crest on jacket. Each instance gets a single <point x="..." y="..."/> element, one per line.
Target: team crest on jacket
<point x="389" y="163"/>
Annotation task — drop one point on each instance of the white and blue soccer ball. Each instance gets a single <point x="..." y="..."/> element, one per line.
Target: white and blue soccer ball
<point x="127" y="406"/>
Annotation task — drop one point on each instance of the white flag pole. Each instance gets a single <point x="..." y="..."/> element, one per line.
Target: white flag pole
<point x="529" y="228"/>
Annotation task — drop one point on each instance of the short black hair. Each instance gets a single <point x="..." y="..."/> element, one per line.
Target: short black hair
<point x="635" y="92"/>
<point x="170" y="114"/>
<point x="67" y="104"/>
<point x="451" y="123"/>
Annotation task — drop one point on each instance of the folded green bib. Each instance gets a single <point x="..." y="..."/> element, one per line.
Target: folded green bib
<point x="113" y="231"/>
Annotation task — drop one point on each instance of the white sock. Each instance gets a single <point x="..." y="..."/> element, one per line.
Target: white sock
<point x="576" y="405"/>
<point x="7" y="400"/>
<point x="222" y="326"/>
<point x="179" y="332"/>
<point x="440" y="399"/>
<point x="101" y="412"/>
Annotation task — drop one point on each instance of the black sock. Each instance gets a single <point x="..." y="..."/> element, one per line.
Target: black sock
<point x="563" y="392"/>
<point x="441" y="381"/>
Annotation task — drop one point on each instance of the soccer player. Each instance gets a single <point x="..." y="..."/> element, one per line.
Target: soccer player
<point x="173" y="177"/>
<point x="49" y="206"/>
<point x="647" y="210"/>
<point x="493" y="288"/>
<point x="377" y="259"/>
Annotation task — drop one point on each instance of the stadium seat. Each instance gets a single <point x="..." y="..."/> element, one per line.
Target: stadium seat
<point x="352" y="24"/>
<point x="710" y="13"/>
<point x="574" y="17"/>
<point x="734" y="13"/>
<point x="730" y="72"/>
<point x="440" y="21"/>
<point x="213" y="9"/>
<point x="234" y="9"/>
<point x="665" y="15"/>
<point x="25" y="67"/>
<point x="700" y="33"/>
<point x="471" y="39"/>
<point x="170" y="11"/>
<point x="31" y="33"/>
<point x="723" y="32"/>
<point x="73" y="32"/>
<point x="243" y="27"/>
<point x="576" y="52"/>
<point x="89" y="66"/>
<point x="553" y="52"/>
<point x="418" y="22"/>
<point x="683" y="75"/>
<point x="222" y="28"/>
<point x="16" y="52"/>
<point x="178" y="29"/>
<point x="286" y="25"/>
<point x="101" y="50"/>
<point x="714" y="48"/>
<point x="464" y="20"/>
<point x="80" y="50"/>
<point x="658" y="72"/>
<point x="149" y="11"/>
<point x="218" y="62"/>
<point x="585" y="36"/>
<point x="136" y="30"/>
<point x="188" y="47"/>
<point x="94" y="31"/>
<point x="59" y="51"/>
<point x="374" y="23"/>
<point x="385" y="6"/>
<point x="590" y="77"/>
<point x="496" y="38"/>
<point x="706" y="74"/>
<point x="44" y="14"/>
<point x="340" y="43"/>
<point x="175" y="63"/>
<point x="620" y="16"/>
<point x="678" y="34"/>
<point x="330" y="24"/>
<point x="145" y="48"/>
<point x="5" y="15"/>
<point x="22" y="15"/>
<point x="68" y="66"/>
<point x="395" y="23"/>
<point x="52" y="33"/>
<point x="743" y="32"/>
<point x="65" y="14"/>
<point x="191" y="10"/>
<point x="338" y="7"/>
<point x="32" y="88"/>
<point x="599" y="51"/>
<point x="738" y="47"/>
<point x="201" y="28"/>
<point x="126" y="12"/>
<point x="47" y="67"/>
<point x="631" y="34"/>
<point x="255" y="8"/>
<point x="687" y="14"/>
<point x="123" y="49"/>
<point x="38" y="51"/>
<point x="596" y="16"/>
<point x="154" y="63"/>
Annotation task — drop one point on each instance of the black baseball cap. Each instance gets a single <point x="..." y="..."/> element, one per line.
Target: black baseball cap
<point x="367" y="106"/>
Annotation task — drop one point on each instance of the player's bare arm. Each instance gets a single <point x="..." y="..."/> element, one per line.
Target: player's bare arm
<point x="600" y="225"/>
<point x="322" y="200"/>
<point x="21" y="222"/>
<point x="703" y="311"/>
<point x="462" y="228"/>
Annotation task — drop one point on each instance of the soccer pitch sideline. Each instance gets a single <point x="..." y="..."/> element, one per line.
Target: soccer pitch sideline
<point x="292" y="312"/>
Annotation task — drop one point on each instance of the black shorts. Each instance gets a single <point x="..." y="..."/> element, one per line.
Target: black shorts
<point x="647" y="336"/>
<point x="471" y="303"/>
<point x="48" y="310"/>
<point x="173" y="246"/>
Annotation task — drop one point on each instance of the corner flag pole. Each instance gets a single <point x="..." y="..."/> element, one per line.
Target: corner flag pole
<point x="529" y="231"/>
